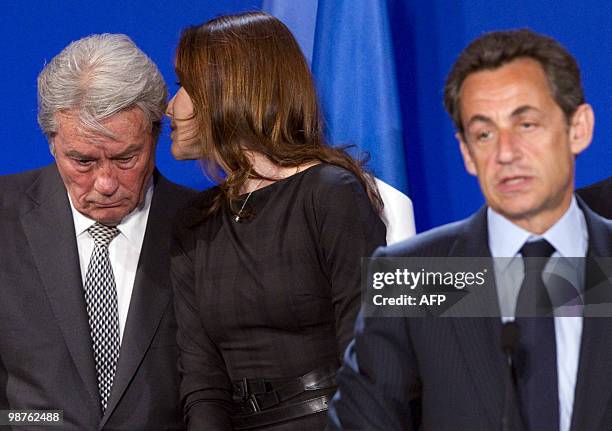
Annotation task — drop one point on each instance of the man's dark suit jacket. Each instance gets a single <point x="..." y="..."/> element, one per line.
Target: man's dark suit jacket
<point x="46" y="356"/>
<point x="450" y="373"/>
<point x="598" y="197"/>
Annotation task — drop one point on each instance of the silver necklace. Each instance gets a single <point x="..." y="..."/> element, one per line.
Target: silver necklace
<point x="239" y="215"/>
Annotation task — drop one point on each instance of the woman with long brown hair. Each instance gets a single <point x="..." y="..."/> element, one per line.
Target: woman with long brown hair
<point x="266" y="266"/>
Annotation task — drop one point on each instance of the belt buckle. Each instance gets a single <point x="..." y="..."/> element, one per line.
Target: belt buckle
<point x="253" y="403"/>
<point x="251" y="398"/>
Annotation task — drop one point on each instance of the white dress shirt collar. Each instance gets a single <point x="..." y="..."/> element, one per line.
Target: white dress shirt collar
<point x="569" y="235"/>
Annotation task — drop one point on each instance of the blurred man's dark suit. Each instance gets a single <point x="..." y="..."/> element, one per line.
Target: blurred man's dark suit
<point x="449" y="373"/>
<point x="46" y="356"/>
<point x="598" y="197"/>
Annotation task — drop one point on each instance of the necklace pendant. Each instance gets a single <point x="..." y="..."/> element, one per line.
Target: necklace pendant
<point x="238" y="218"/>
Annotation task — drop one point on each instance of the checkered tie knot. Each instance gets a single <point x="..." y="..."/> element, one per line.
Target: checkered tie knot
<point x="101" y="300"/>
<point x="102" y="234"/>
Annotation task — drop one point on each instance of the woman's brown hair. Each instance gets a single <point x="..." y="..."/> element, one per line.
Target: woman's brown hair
<point x="252" y="90"/>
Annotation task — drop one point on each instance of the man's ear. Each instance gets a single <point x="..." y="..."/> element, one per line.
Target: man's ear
<point x="470" y="166"/>
<point x="581" y="128"/>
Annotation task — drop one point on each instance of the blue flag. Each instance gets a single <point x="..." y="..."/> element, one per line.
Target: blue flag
<point x="348" y="44"/>
<point x="353" y="64"/>
<point x="354" y="67"/>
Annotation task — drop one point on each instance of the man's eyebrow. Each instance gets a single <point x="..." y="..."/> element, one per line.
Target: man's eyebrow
<point x="523" y="109"/>
<point x="77" y="155"/>
<point x="128" y="151"/>
<point x="478" y="118"/>
<point x="516" y="113"/>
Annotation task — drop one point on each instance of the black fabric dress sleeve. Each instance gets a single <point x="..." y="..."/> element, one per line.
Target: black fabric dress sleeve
<point x="205" y="386"/>
<point x="350" y="229"/>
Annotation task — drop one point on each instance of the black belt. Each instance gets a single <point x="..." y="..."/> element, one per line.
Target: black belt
<point x="258" y="401"/>
<point x="282" y="413"/>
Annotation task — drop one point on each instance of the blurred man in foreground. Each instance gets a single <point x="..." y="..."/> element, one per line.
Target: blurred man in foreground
<point x="516" y="100"/>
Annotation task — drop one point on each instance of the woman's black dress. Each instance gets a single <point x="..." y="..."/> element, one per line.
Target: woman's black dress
<point x="274" y="296"/>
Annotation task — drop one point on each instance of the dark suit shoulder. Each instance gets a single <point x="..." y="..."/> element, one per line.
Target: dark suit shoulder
<point x="598" y="197"/>
<point x="13" y="186"/>
<point x="467" y="238"/>
<point x="19" y="179"/>
<point x="599" y="229"/>
<point x="434" y="242"/>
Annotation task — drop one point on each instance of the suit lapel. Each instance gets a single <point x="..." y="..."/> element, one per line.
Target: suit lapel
<point x="479" y="337"/>
<point x="593" y="390"/>
<point x="49" y="229"/>
<point x="150" y="295"/>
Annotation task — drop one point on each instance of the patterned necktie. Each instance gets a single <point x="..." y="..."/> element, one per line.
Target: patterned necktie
<point x="101" y="300"/>
<point x="536" y="361"/>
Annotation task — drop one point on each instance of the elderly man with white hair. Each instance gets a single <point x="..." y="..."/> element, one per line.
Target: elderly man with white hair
<point x="86" y="313"/>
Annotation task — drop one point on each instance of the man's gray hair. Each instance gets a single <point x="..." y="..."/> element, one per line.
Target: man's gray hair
<point x="99" y="76"/>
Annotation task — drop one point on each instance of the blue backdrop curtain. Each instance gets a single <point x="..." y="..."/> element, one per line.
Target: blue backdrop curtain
<point x="417" y="43"/>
